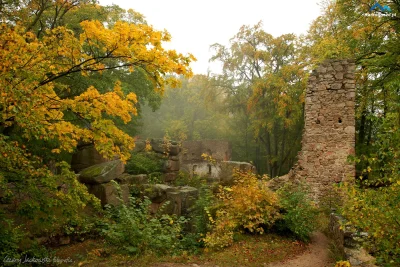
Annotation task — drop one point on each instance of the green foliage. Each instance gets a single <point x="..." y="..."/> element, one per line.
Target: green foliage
<point x="299" y="213"/>
<point x="194" y="180"/>
<point x="133" y="230"/>
<point x="144" y="163"/>
<point x="200" y="219"/>
<point x="332" y="200"/>
<point x="44" y="201"/>
<point x="263" y="80"/>
<point x="10" y="237"/>
<point x="247" y="205"/>
<point x="377" y="211"/>
<point x="346" y="29"/>
<point x="16" y="245"/>
<point x="373" y="204"/>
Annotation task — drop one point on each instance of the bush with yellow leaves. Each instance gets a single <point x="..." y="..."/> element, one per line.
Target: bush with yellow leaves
<point x="247" y="205"/>
<point x="343" y="264"/>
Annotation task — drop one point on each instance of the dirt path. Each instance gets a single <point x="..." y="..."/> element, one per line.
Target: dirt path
<point x="316" y="256"/>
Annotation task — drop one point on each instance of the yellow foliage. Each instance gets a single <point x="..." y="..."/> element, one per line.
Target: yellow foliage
<point x="39" y="106"/>
<point x="30" y="69"/>
<point x="247" y="205"/>
<point x="343" y="264"/>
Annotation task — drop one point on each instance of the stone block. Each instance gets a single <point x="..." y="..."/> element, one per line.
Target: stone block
<point x="85" y="157"/>
<point x="172" y="165"/>
<point x="139" y="146"/>
<point x="169" y="176"/>
<point x="228" y="168"/>
<point x="175" y="203"/>
<point x="157" y="193"/>
<point x="131" y="179"/>
<point x="349" y="86"/>
<point x="338" y="67"/>
<point x="339" y="76"/>
<point x="336" y="86"/>
<point x="171" y="148"/>
<point x="108" y="193"/>
<point x="189" y="196"/>
<point x="102" y="173"/>
<point x="178" y="200"/>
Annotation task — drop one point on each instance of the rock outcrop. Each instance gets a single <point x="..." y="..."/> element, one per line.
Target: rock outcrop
<point x="102" y="173"/>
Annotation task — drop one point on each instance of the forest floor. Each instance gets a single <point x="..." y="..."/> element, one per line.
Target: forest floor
<point x="251" y="251"/>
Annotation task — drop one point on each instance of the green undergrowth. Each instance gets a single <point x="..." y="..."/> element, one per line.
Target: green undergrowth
<point x="144" y="163"/>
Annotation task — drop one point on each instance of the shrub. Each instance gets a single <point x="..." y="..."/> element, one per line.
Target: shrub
<point x="199" y="223"/>
<point x="377" y="211"/>
<point x="299" y="212"/>
<point x="133" y="230"/>
<point x="184" y="178"/>
<point x="15" y="244"/>
<point x="10" y="237"/>
<point x="342" y="264"/>
<point x="144" y="163"/>
<point x="247" y="205"/>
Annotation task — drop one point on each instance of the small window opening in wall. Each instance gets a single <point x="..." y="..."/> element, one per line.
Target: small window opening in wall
<point x="340" y="120"/>
<point x="194" y="168"/>
<point x="209" y="168"/>
<point x="317" y="121"/>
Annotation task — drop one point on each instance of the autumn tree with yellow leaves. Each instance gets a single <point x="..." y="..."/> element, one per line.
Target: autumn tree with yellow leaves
<point x="42" y="112"/>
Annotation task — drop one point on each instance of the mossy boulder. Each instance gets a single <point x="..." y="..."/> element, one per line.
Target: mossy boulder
<point x="102" y="173"/>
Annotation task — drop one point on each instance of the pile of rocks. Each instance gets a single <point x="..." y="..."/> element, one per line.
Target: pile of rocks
<point x="109" y="183"/>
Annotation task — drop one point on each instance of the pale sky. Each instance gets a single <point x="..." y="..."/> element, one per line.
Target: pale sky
<point x="195" y="25"/>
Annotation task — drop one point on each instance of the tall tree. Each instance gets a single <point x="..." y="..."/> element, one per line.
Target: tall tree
<point x="43" y="112"/>
<point x="264" y="81"/>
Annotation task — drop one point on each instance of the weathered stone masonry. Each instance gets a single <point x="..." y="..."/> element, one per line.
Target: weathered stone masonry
<point x="329" y="132"/>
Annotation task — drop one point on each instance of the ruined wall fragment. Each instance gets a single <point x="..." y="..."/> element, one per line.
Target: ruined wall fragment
<point x="329" y="132"/>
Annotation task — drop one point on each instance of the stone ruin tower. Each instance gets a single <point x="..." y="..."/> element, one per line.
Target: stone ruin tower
<point x="329" y="132"/>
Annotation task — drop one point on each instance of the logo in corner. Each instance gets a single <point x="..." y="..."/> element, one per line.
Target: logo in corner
<point x="381" y="8"/>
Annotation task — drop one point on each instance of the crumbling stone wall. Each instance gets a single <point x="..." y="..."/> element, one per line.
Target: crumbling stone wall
<point x="329" y="132"/>
<point x="218" y="149"/>
<point x="193" y="163"/>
